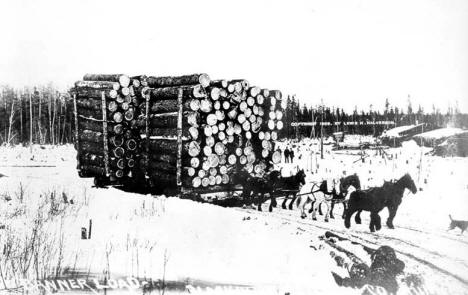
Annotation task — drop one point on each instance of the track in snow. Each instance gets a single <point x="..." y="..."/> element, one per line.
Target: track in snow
<point x="436" y="261"/>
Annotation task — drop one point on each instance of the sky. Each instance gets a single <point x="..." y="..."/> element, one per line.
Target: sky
<point x="347" y="52"/>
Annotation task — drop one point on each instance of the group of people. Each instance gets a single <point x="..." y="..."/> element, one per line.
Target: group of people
<point x="288" y="155"/>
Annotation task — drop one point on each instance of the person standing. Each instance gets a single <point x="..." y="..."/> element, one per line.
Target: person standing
<point x="291" y="155"/>
<point x="286" y="155"/>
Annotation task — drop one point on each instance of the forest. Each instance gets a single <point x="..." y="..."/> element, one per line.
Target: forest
<point x="44" y="115"/>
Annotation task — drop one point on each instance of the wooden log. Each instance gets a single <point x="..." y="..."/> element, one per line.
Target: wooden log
<point x="202" y="79"/>
<point x="168" y="132"/>
<point x="123" y="80"/>
<point x="171" y="105"/>
<point x="254" y="91"/>
<point x="100" y="85"/>
<point x="260" y="99"/>
<point x="244" y="83"/>
<point x="118" y="152"/>
<point x="116" y="140"/>
<point x="214" y="93"/>
<point x="170" y="159"/>
<point x="170" y="146"/>
<point x="188" y="92"/>
<point x="169" y="120"/>
<point x="97" y="126"/>
<point x="118" y="117"/>
<point x="129" y="114"/>
<point x="130" y="144"/>
<point x="219" y="83"/>
<point x="84" y="92"/>
<point x="98" y="161"/>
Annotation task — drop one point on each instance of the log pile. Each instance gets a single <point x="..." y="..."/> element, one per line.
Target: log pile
<point x="175" y="131"/>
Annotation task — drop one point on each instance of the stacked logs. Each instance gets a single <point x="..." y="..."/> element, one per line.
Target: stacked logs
<point x="188" y="130"/>
<point x="106" y="133"/>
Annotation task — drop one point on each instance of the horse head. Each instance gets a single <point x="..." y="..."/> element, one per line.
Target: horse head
<point x="301" y="176"/>
<point x="275" y="175"/>
<point x="408" y="183"/>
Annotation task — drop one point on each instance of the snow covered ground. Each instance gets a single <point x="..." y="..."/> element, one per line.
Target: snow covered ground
<point x="215" y="250"/>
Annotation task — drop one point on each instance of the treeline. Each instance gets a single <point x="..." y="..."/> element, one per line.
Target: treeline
<point x="44" y="115"/>
<point x="368" y="122"/>
<point x="41" y="115"/>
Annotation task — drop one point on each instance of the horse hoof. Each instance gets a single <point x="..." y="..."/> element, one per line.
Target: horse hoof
<point x="303" y="216"/>
<point x="326" y="220"/>
<point x="313" y="218"/>
<point x="358" y="221"/>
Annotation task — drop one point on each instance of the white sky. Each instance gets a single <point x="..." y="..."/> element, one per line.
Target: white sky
<point x="347" y="52"/>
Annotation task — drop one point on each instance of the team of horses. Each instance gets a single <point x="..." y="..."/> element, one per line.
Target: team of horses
<point x="346" y="191"/>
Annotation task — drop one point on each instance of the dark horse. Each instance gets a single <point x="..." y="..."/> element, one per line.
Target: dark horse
<point x="375" y="199"/>
<point x="255" y="188"/>
<point x="290" y="186"/>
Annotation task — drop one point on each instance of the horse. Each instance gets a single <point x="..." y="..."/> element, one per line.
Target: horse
<point x="254" y="188"/>
<point x="341" y="197"/>
<point x="291" y="185"/>
<point x="375" y="199"/>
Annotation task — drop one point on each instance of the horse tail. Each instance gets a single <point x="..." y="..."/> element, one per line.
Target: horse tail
<point x="450" y="216"/>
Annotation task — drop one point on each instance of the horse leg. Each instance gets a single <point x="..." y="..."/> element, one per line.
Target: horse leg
<point x="302" y="206"/>
<point x="259" y="200"/>
<point x="327" y="214"/>
<point x="374" y="223"/>
<point x="391" y="215"/>
<point x="283" y="205"/>
<point x="331" y="209"/>
<point x="357" y="218"/>
<point x="349" y="213"/>
<point x="344" y="210"/>
<point x="378" y="224"/>
<point x="272" y="201"/>
<point x="290" y="207"/>
<point x="320" y="208"/>
<point x="312" y="207"/>
<point x="314" y="210"/>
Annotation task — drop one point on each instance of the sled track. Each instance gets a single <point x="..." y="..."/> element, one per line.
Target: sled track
<point x="365" y="241"/>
